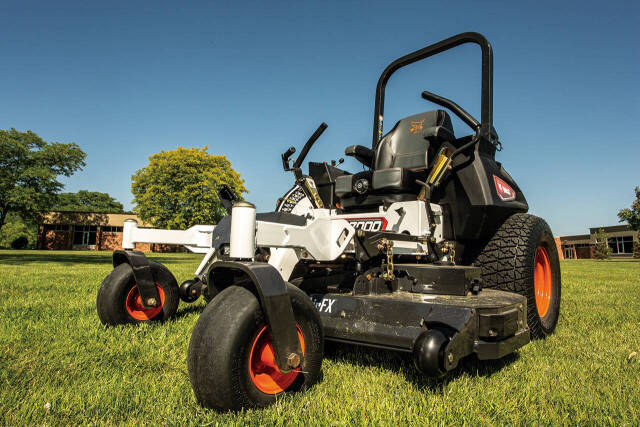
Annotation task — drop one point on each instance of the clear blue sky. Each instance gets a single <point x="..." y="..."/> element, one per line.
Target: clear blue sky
<point x="249" y="79"/>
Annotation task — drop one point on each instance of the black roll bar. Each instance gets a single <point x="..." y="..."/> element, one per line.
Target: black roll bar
<point x="486" y="125"/>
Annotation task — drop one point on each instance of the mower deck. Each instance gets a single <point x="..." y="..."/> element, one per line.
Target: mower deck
<point x="490" y="324"/>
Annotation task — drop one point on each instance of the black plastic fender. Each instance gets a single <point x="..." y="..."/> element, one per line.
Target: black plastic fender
<point x="272" y="294"/>
<point x="222" y="233"/>
<point x="142" y="273"/>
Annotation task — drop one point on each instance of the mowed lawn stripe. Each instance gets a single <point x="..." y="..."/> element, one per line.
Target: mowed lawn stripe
<point x="59" y="365"/>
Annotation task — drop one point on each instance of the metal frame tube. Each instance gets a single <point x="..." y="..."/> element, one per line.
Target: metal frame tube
<point x="196" y="239"/>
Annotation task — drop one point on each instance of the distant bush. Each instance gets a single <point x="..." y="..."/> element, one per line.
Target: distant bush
<point x="20" y="243"/>
<point x="602" y="250"/>
<point x="14" y="229"/>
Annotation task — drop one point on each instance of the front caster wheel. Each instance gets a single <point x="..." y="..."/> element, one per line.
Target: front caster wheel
<point x="119" y="300"/>
<point x="231" y="361"/>
<point x="428" y="353"/>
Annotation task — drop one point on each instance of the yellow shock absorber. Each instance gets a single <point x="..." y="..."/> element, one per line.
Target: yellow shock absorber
<point x="443" y="160"/>
<point x="440" y="167"/>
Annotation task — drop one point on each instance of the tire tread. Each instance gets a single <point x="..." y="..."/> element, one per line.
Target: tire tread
<point x="506" y="262"/>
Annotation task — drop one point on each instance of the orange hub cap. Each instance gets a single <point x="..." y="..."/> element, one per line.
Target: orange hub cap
<point x="262" y="365"/>
<point x="542" y="281"/>
<point x="134" y="306"/>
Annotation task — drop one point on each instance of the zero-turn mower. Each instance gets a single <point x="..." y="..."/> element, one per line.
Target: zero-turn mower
<point x="429" y="251"/>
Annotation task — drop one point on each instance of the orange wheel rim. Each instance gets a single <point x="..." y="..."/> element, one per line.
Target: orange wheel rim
<point x="133" y="304"/>
<point x="262" y="365"/>
<point x="542" y="281"/>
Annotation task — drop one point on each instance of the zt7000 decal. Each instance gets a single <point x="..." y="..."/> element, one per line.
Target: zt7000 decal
<point x="368" y="224"/>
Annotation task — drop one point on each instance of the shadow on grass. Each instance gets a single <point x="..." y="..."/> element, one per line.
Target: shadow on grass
<point x="11" y="258"/>
<point x="27" y="258"/>
<point x="393" y="361"/>
<point x="403" y="363"/>
<point x="186" y="310"/>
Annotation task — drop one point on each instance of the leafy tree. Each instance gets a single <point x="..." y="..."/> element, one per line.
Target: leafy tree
<point x="603" y="251"/>
<point x="29" y="168"/>
<point x="179" y="188"/>
<point x="632" y="216"/>
<point x="88" y="201"/>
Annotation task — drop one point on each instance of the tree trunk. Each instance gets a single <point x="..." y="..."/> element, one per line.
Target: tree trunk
<point x="3" y="216"/>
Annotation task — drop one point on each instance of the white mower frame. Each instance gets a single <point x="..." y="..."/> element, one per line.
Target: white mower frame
<point x="325" y="237"/>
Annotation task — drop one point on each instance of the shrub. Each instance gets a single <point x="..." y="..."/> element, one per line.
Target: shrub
<point x="602" y="250"/>
<point x="20" y="243"/>
<point x="15" y="228"/>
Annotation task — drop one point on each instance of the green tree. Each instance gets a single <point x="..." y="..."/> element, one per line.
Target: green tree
<point x="88" y="201"/>
<point x="179" y="188"/>
<point x="603" y="251"/>
<point x="632" y="216"/>
<point x="29" y="168"/>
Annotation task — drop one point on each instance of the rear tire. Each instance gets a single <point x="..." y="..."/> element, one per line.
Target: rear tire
<point x="224" y="352"/>
<point x="119" y="302"/>
<point x="522" y="257"/>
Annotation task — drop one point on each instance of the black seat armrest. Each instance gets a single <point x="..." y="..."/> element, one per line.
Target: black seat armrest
<point x="362" y="154"/>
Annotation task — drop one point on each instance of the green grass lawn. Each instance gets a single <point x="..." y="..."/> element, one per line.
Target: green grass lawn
<point x="59" y="365"/>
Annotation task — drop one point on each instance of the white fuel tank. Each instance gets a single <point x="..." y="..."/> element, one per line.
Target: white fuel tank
<point x="243" y="231"/>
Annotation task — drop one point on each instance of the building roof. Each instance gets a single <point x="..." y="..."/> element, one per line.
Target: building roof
<point x="576" y="237"/>
<point x="611" y="228"/>
<point x="611" y="231"/>
<point x="90" y="218"/>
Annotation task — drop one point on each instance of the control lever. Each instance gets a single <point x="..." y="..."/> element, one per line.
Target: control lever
<point x="338" y="163"/>
<point x="227" y="197"/>
<point x="457" y="110"/>
<point x="308" y="145"/>
<point x="285" y="158"/>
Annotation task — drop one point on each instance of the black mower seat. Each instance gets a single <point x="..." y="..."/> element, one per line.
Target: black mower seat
<point x="401" y="157"/>
<point x="407" y="144"/>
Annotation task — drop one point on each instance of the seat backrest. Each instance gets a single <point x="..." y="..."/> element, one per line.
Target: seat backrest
<point x="407" y="144"/>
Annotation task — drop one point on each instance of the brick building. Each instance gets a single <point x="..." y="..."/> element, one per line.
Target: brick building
<point x="621" y="239"/>
<point x="89" y="230"/>
<point x="99" y="231"/>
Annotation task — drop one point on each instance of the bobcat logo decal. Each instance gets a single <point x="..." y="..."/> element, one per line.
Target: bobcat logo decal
<point x="416" y="126"/>
<point x="504" y="190"/>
